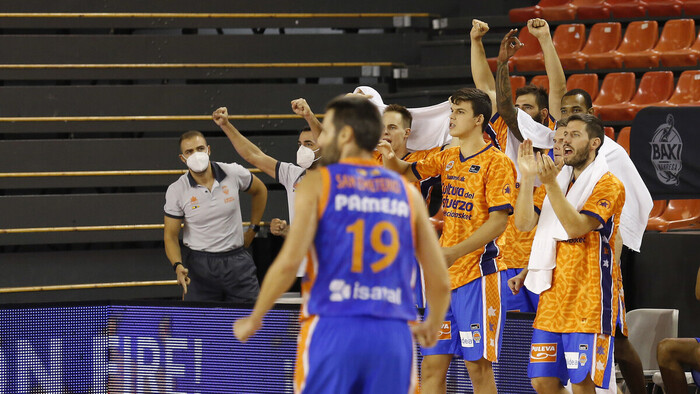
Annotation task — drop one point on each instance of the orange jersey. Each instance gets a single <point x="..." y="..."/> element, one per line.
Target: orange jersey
<point x="516" y="245"/>
<point x="425" y="186"/>
<point x="472" y="187"/>
<point x="500" y="130"/>
<point x="584" y="293"/>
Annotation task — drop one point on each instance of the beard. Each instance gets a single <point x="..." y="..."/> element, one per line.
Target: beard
<point x="538" y="118"/>
<point x="330" y="154"/>
<point x="577" y="160"/>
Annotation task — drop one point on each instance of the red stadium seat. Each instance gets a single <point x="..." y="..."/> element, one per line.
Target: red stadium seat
<point x="664" y="7"/>
<point x="623" y="139"/>
<point x="655" y="87"/>
<point x="541" y="80"/>
<point x="599" y="51"/>
<point x="691" y="7"/>
<point x="493" y="64"/>
<point x="678" y="215"/>
<point x="563" y="12"/>
<point x="687" y="90"/>
<point x="568" y="41"/>
<point x="609" y="132"/>
<point x="681" y="56"/>
<point x="516" y="82"/>
<point x="627" y="8"/>
<point x="637" y="47"/>
<point x="587" y="82"/>
<point x="592" y="9"/>
<point x="617" y="88"/>
<point x="658" y="208"/>
<point x="526" y="13"/>
<point x="529" y="57"/>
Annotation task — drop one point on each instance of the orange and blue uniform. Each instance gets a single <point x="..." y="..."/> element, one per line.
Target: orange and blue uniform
<point x="358" y="289"/>
<point x="472" y="188"/>
<point x="576" y="318"/>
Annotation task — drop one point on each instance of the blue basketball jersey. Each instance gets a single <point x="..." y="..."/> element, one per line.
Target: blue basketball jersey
<point x="362" y="261"/>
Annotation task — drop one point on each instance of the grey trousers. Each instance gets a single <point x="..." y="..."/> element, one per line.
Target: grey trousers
<point x="228" y="276"/>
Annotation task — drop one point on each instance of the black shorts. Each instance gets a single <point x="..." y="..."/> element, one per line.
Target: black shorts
<point x="227" y="276"/>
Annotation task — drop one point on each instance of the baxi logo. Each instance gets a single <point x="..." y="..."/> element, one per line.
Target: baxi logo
<point x="543" y="353"/>
<point x="666" y="148"/>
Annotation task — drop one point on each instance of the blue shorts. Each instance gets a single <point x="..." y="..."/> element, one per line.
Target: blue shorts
<point x="418" y="291"/>
<point x="474" y="322"/>
<point x="524" y="301"/>
<point x="355" y="354"/>
<point x="571" y="357"/>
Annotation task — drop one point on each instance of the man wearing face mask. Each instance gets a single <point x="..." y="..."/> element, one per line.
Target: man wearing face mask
<point x="218" y="268"/>
<point x="288" y="174"/>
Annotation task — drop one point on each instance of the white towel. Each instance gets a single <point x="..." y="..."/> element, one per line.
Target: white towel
<point x="541" y="136"/>
<point x="543" y="258"/>
<point x="638" y="201"/>
<point x="430" y="127"/>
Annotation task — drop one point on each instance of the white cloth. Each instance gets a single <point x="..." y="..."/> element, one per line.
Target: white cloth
<point x="430" y="126"/>
<point x="541" y="136"/>
<point x="543" y="258"/>
<point x="638" y="201"/>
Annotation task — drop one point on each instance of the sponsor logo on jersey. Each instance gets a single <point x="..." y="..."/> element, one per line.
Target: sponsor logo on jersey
<point x="355" y="203"/>
<point x="449" y="166"/>
<point x="228" y="200"/>
<point x="666" y="149"/>
<point x="583" y="347"/>
<point x="224" y="189"/>
<point x="474" y="169"/>
<point x="466" y="338"/>
<point x="582" y="359"/>
<point x="342" y="291"/>
<point x="571" y="360"/>
<point x="543" y="353"/>
<point x="445" y="331"/>
<point x="475" y="326"/>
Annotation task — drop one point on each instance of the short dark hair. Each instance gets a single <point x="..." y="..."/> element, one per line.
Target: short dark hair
<point x="594" y="126"/>
<point x="362" y="117"/>
<point x="406" y="116"/>
<point x="541" y="96"/>
<point x="586" y="97"/>
<point x="481" y="103"/>
<point x="189" y="134"/>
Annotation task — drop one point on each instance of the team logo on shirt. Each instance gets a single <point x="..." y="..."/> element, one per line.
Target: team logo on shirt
<point x="604" y="203"/>
<point x="582" y="359"/>
<point x="543" y="353"/>
<point x="193" y="200"/>
<point x="474" y="169"/>
<point x="224" y="189"/>
<point x="507" y="189"/>
<point x="449" y="166"/>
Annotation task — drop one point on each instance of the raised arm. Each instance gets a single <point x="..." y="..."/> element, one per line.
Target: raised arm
<point x="302" y="108"/>
<point x="282" y="272"/>
<point x="524" y="215"/>
<point x="437" y="282"/>
<point x="481" y="73"/>
<point x="258" y="193"/>
<point x="555" y="72"/>
<point x="248" y="150"/>
<point x="504" y="94"/>
<point x="394" y="163"/>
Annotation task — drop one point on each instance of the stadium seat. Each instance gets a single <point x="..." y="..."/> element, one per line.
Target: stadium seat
<point x="658" y="208"/>
<point x="677" y="35"/>
<point x="623" y="139"/>
<point x="525" y="13"/>
<point x="516" y="82"/>
<point x="587" y="82"/>
<point x="627" y="8"/>
<point x="691" y="7"/>
<point x="678" y="215"/>
<point x="563" y="12"/>
<point x="637" y="47"/>
<point x="664" y="7"/>
<point x="687" y="90"/>
<point x="655" y="87"/>
<point x="599" y="51"/>
<point x="592" y="9"/>
<point x="681" y="56"/>
<point x="609" y="132"/>
<point x="541" y="80"/>
<point x="617" y="88"/>
<point x="529" y="57"/>
<point x="568" y="41"/>
<point x="493" y="64"/>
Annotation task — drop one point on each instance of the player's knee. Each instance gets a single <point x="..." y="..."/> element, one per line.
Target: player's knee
<point x="545" y="385"/>
<point x="433" y="369"/>
<point x="665" y="351"/>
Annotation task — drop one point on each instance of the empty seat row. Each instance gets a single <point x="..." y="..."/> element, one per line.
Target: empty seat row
<point x="604" y="9"/>
<point x="605" y="48"/>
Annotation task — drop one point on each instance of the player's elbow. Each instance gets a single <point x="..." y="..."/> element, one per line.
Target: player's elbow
<point x="524" y="224"/>
<point x="499" y="220"/>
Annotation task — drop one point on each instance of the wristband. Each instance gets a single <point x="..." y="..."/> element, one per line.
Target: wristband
<point x="254" y="227"/>
<point x="175" y="266"/>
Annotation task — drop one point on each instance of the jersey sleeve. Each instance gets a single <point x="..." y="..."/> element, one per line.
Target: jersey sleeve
<point x="244" y="178"/>
<point x="500" y="130"/>
<point x="538" y="198"/>
<point x="607" y="198"/>
<point x="500" y="184"/>
<point x="173" y="208"/>
<point x="430" y="166"/>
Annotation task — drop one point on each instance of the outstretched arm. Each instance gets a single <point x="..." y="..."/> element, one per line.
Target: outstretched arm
<point x="282" y="272"/>
<point x="302" y="108"/>
<point x="248" y="150"/>
<point x="504" y="94"/>
<point x="555" y="72"/>
<point x="481" y="73"/>
<point x="394" y="163"/>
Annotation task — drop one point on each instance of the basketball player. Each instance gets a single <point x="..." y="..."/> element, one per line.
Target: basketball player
<point x="478" y="181"/>
<point x="363" y="227"/>
<point x="574" y="326"/>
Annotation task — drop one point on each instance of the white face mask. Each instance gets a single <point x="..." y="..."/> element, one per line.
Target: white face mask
<point x="306" y="157"/>
<point x="198" y="161"/>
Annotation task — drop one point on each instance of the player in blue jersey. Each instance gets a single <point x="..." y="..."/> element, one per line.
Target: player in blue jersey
<point x="363" y="226"/>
